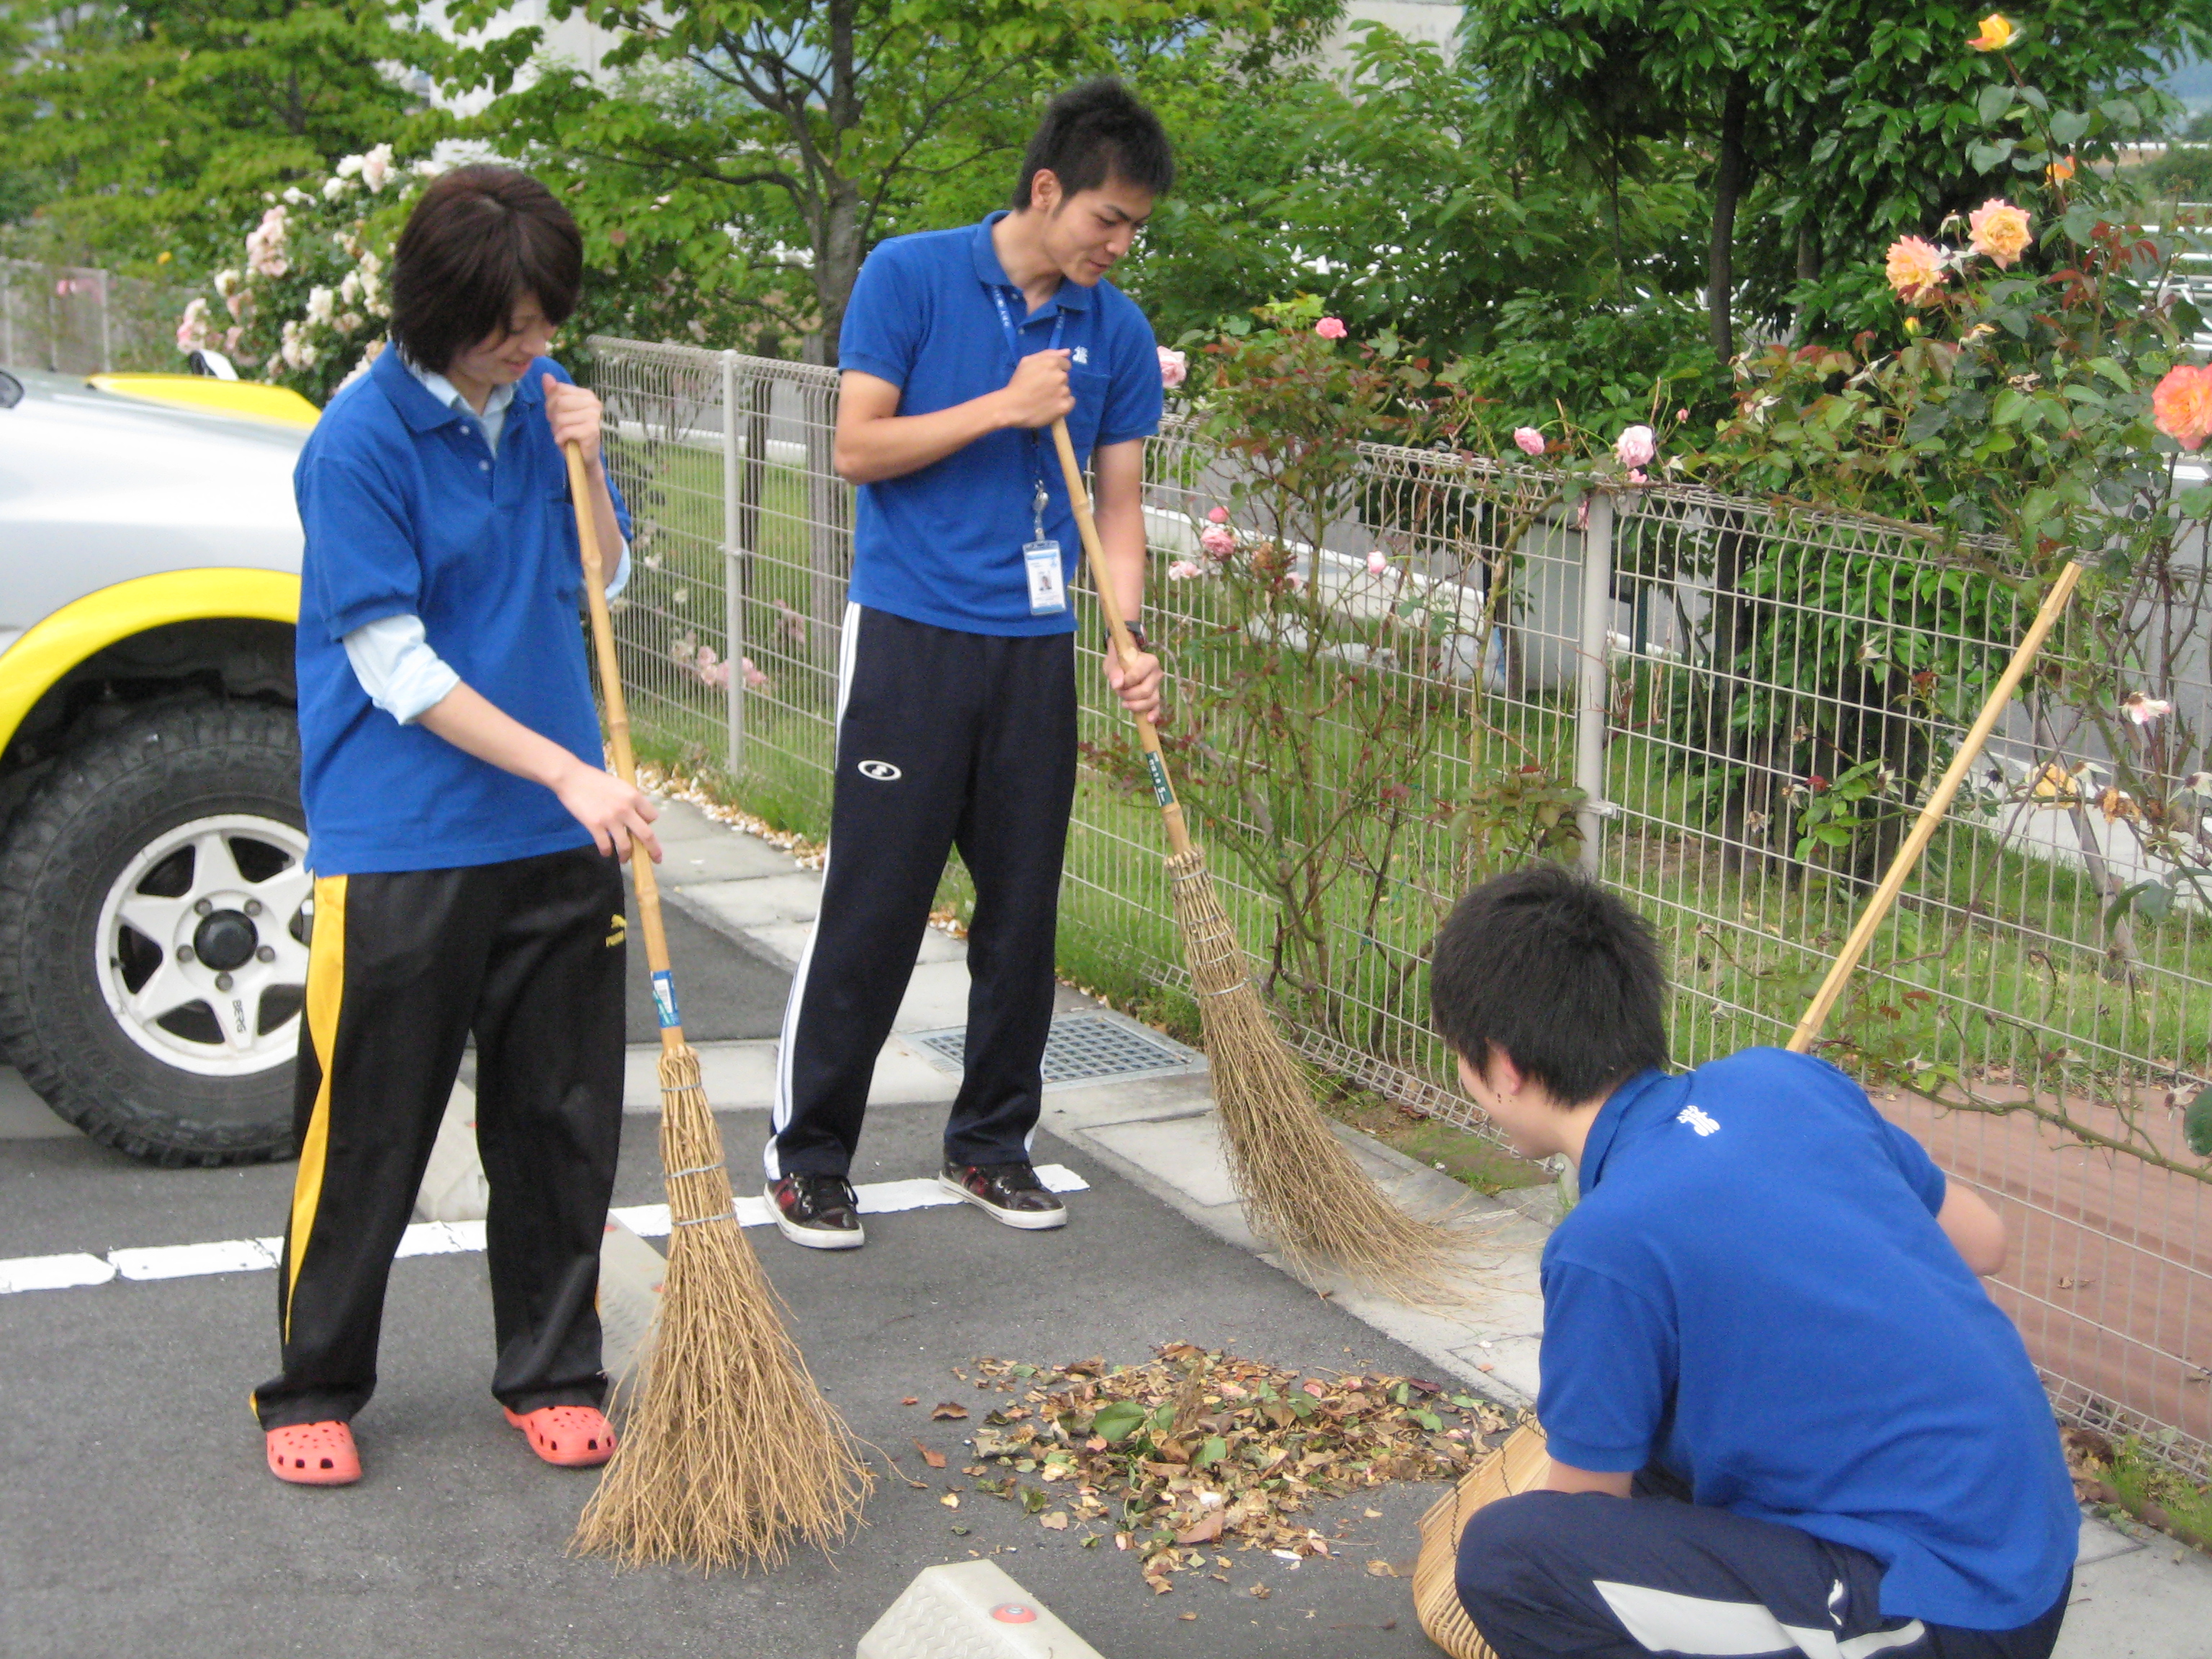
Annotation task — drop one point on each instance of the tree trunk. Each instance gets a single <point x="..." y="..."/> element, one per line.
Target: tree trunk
<point x="1728" y="179"/>
<point x="836" y="261"/>
<point x="1809" y="271"/>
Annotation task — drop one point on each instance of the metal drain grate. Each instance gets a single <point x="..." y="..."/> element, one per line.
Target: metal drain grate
<point x="1082" y="1048"/>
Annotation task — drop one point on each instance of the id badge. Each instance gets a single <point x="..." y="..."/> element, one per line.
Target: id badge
<point x="1047" y="589"/>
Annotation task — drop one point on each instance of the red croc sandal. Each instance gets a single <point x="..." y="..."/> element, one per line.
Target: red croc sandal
<point x="574" y="1436"/>
<point x="314" y="1454"/>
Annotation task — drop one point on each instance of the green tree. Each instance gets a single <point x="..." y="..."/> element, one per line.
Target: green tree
<point x="776" y="140"/>
<point x="1839" y="124"/>
<point x="152" y="127"/>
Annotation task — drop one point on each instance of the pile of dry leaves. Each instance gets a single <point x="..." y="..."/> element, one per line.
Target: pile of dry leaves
<point x="1196" y="1448"/>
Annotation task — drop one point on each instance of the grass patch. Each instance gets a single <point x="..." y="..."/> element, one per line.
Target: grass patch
<point x="2128" y="1477"/>
<point x="1471" y="1159"/>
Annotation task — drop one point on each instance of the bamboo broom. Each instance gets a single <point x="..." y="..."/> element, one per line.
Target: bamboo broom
<point x="728" y="1449"/>
<point x="1299" y="1183"/>
<point x="1923" y="829"/>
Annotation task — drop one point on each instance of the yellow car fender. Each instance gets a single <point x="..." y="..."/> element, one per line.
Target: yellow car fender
<point x="60" y="641"/>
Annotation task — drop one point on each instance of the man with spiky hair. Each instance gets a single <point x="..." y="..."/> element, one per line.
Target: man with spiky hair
<point x="462" y="828"/>
<point x="955" y="695"/>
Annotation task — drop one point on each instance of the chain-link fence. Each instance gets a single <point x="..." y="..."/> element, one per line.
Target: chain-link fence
<point x="79" y="320"/>
<point x="1726" y="708"/>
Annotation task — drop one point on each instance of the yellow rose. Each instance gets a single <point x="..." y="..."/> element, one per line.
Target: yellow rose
<point x="1915" y="269"/>
<point x="1999" y="230"/>
<point x="1997" y="33"/>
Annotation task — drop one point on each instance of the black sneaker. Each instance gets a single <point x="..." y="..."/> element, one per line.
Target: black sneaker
<point x="1006" y="1191"/>
<point x="818" y="1210"/>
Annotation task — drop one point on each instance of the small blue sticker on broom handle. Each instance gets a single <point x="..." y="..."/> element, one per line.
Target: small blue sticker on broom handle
<point x="664" y="998"/>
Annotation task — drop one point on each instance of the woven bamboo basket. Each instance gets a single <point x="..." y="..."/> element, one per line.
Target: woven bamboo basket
<point x="1514" y="1467"/>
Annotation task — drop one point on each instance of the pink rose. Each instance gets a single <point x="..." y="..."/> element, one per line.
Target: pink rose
<point x="1219" y="515"/>
<point x="1330" y="328"/>
<point x="1217" y="541"/>
<point x="1377" y="563"/>
<point x="1636" y="447"/>
<point x="1528" y="440"/>
<point x="1183" y="570"/>
<point x="1636" y="475"/>
<point x="755" y="680"/>
<point x="1175" y="368"/>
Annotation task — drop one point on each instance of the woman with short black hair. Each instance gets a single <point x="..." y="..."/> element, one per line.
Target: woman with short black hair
<point x="463" y="830"/>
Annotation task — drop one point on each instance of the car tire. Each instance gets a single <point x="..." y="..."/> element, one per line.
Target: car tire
<point x="172" y="820"/>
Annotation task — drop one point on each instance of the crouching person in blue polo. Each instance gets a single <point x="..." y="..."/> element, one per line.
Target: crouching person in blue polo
<point x="1783" y="1415"/>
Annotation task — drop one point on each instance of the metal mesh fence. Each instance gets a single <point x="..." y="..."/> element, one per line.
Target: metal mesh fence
<point x="1726" y="708"/>
<point x="78" y="320"/>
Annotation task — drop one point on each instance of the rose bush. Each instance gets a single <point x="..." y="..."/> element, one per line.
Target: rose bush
<point x="306" y="305"/>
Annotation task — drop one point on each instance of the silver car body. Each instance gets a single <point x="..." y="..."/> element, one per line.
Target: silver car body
<point x="97" y="489"/>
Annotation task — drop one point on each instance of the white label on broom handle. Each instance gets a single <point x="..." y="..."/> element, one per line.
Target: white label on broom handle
<point x="664" y="998"/>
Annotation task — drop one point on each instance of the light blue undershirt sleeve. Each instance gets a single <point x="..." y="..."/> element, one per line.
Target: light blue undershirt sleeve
<point x="402" y="676"/>
<point x="395" y="664"/>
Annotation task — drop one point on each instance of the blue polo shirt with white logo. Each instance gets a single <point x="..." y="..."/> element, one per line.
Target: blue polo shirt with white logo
<point x="407" y="511"/>
<point x="1754" y="1292"/>
<point x="943" y="545"/>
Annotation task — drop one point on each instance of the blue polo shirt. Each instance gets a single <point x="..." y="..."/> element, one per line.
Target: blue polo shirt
<point x="407" y="511"/>
<point x="1754" y="1292"/>
<point x="944" y="545"/>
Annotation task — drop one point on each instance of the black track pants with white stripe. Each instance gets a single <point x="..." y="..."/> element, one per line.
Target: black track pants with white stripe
<point x="1547" y="1574"/>
<point x="402" y="967"/>
<point x="945" y="739"/>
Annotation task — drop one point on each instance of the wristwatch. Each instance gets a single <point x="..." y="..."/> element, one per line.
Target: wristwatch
<point x="1136" y="638"/>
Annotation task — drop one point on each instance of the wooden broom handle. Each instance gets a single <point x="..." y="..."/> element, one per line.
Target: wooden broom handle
<point x="1124" y="647"/>
<point x="603" y="643"/>
<point x="1839" y="972"/>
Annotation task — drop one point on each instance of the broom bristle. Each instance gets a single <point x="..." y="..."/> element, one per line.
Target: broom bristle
<point x="1300" y="1185"/>
<point x="728" y="1450"/>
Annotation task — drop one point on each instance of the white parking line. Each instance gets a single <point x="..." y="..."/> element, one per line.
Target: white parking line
<point x="236" y="1256"/>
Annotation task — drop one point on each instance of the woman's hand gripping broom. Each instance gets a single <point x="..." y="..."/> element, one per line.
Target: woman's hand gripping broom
<point x="728" y="1449"/>
<point x="1299" y="1183"/>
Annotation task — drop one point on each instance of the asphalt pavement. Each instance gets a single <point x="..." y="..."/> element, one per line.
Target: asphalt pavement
<point x="137" y="1515"/>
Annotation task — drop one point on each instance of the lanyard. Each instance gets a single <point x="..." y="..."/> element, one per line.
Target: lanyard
<point x="1014" y="353"/>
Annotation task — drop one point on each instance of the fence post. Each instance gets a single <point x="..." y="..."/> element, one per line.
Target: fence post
<point x="106" y="351"/>
<point x="734" y="594"/>
<point x="1593" y="677"/>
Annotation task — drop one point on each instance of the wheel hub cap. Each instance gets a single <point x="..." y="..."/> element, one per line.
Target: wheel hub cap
<point x="225" y="940"/>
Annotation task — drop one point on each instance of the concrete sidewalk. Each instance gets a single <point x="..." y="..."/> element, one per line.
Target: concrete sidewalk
<point x="2138" y="1594"/>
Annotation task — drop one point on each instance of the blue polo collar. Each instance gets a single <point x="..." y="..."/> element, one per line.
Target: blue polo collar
<point x="1070" y="296"/>
<point x="1605" y="1127"/>
<point x="420" y="408"/>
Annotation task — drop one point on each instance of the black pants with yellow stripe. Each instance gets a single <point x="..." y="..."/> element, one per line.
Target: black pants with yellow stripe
<point x="402" y="968"/>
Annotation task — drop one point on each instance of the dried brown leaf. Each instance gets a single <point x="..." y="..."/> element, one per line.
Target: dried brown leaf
<point x="934" y="1459"/>
<point x="948" y="1410"/>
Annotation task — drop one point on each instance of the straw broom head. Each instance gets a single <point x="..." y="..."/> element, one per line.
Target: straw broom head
<point x="729" y="1451"/>
<point x="1300" y="1185"/>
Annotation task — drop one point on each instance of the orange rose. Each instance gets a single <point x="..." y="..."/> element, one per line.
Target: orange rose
<point x="2181" y="406"/>
<point x="1999" y="230"/>
<point x="1915" y="269"/>
<point x="1997" y="33"/>
<point x="2060" y="170"/>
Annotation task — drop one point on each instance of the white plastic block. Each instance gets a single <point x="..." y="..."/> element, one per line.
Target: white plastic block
<point x="453" y="1185"/>
<point x="970" y="1610"/>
